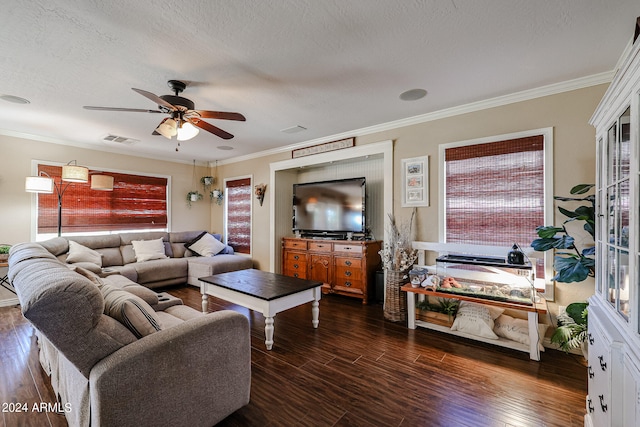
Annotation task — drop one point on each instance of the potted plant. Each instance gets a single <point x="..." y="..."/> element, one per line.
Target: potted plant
<point x="4" y="252"/>
<point x="572" y="327"/>
<point x="193" y="196"/>
<point x="207" y="181"/>
<point x="571" y="264"/>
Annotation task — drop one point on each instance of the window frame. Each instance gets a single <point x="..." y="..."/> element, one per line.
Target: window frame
<point x="226" y="211"/>
<point x="548" y="209"/>
<point x="35" y="236"/>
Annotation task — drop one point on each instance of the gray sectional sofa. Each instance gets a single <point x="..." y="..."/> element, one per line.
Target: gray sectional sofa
<point x="120" y="354"/>
<point x="180" y="266"/>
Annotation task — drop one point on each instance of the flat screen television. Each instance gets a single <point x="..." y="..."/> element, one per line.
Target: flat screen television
<point x="334" y="207"/>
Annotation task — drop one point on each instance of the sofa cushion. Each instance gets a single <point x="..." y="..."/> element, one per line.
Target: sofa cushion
<point x="81" y="253"/>
<point x="130" y="310"/>
<point x="122" y="283"/>
<point x="88" y="273"/>
<point x="147" y="250"/>
<point x="205" y="245"/>
<point x="161" y="270"/>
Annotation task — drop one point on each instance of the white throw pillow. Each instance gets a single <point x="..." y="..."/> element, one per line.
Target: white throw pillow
<point x="207" y="245"/>
<point x="517" y="330"/>
<point x="80" y="253"/>
<point x="146" y="250"/>
<point x="474" y="319"/>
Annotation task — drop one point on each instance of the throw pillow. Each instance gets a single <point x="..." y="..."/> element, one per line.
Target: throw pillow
<point x="205" y="245"/>
<point x="474" y="319"/>
<point x="517" y="330"/>
<point x="146" y="250"/>
<point x="80" y="253"/>
<point x="130" y="310"/>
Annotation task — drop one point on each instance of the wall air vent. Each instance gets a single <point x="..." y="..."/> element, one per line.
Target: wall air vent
<point x="120" y="139"/>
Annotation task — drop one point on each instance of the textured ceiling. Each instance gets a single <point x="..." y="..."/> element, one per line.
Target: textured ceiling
<point x="331" y="66"/>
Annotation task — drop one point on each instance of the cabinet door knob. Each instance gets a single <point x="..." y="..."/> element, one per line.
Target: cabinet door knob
<point x="347" y="284"/>
<point x="591" y="339"/>
<point x="590" y="406"/>
<point x="295" y="265"/>
<point x="347" y="273"/>
<point x="295" y="275"/>
<point x="347" y="263"/>
<point x="591" y="373"/>
<point x="603" y="364"/>
<point x="602" y="405"/>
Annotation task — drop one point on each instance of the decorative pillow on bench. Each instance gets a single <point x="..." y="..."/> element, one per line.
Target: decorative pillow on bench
<point x="205" y="245"/>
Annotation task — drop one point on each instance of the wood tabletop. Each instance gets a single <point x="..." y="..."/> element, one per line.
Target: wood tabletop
<point x="260" y="284"/>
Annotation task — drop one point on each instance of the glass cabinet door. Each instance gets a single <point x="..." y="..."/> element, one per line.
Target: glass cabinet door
<point x="615" y="209"/>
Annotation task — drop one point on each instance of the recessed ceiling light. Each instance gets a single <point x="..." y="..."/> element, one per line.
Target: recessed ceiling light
<point x="413" y="94"/>
<point x="14" y="99"/>
<point x="224" y="147"/>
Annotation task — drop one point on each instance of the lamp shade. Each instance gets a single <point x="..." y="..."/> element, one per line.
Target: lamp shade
<point x="167" y="128"/>
<point x="187" y="131"/>
<point x="73" y="173"/>
<point x="38" y="184"/>
<point x="102" y="182"/>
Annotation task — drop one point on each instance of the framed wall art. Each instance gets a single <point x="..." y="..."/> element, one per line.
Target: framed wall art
<point x="415" y="181"/>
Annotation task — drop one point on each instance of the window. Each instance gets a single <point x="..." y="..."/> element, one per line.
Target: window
<point x="137" y="202"/>
<point x="494" y="191"/>
<point x="238" y="214"/>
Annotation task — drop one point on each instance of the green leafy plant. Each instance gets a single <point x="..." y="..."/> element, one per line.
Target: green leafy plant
<point x="193" y="196"/>
<point x="4" y="249"/>
<point x="571" y="264"/>
<point x="445" y="305"/>
<point x="572" y="327"/>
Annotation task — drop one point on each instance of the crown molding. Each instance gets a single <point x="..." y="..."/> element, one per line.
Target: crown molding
<point x="526" y="95"/>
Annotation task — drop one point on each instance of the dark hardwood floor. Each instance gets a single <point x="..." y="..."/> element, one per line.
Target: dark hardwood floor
<point x="356" y="369"/>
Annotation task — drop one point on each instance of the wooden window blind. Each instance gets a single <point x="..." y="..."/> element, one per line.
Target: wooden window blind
<point x="239" y="214"/>
<point x="494" y="192"/>
<point x="136" y="202"/>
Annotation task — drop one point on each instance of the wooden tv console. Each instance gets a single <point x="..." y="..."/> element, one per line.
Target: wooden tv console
<point x="345" y="267"/>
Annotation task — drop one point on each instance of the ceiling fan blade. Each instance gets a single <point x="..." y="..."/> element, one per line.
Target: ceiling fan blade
<point x="223" y="115"/>
<point x="210" y="128"/>
<point x="134" y="110"/>
<point x="155" y="98"/>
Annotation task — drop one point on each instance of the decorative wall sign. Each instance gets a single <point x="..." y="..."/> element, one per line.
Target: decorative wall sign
<point x="415" y="181"/>
<point x="323" y="148"/>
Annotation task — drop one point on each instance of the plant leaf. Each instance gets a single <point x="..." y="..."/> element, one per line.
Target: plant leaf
<point x="581" y="188"/>
<point x="571" y="269"/>
<point x="575" y="310"/>
<point x="548" y="231"/>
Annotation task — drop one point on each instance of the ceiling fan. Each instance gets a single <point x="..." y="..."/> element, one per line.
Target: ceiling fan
<point x="184" y="120"/>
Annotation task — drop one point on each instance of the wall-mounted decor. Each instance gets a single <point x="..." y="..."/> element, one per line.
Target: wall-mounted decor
<point x="260" y="189"/>
<point x="415" y="181"/>
<point x="323" y="148"/>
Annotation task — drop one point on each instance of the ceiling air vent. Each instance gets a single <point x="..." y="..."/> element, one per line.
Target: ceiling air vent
<point x="120" y="139"/>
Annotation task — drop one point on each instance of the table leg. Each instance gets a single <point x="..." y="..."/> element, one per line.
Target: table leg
<point x="534" y="351"/>
<point x="315" y="312"/>
<point x="205" y="297"/>
<point x="411" y="310"/>
<point x="268" y="332"/>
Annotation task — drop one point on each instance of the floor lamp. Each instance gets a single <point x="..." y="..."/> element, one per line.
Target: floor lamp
<point x="71" y="172"/>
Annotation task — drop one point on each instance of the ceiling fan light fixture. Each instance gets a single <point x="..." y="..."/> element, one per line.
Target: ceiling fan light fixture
<point x="167" y="128"/>
<point x="187" y="131"/>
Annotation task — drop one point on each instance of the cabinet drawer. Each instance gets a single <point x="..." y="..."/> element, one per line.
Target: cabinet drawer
<point x="320" y="247"/>
<point x="355" y="263"/>
<point x="348" y="284"/>
<point x="352" y="249"/>
<point x="295" y="244"/>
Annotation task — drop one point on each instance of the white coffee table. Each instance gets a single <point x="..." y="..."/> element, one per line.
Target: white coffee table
<point x="265" y="292"/>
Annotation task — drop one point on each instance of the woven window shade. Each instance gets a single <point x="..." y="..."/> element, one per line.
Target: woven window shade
<point x="136" y="202"/>
<point x="239" y="214"/>
<point x="495" y="192"/>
